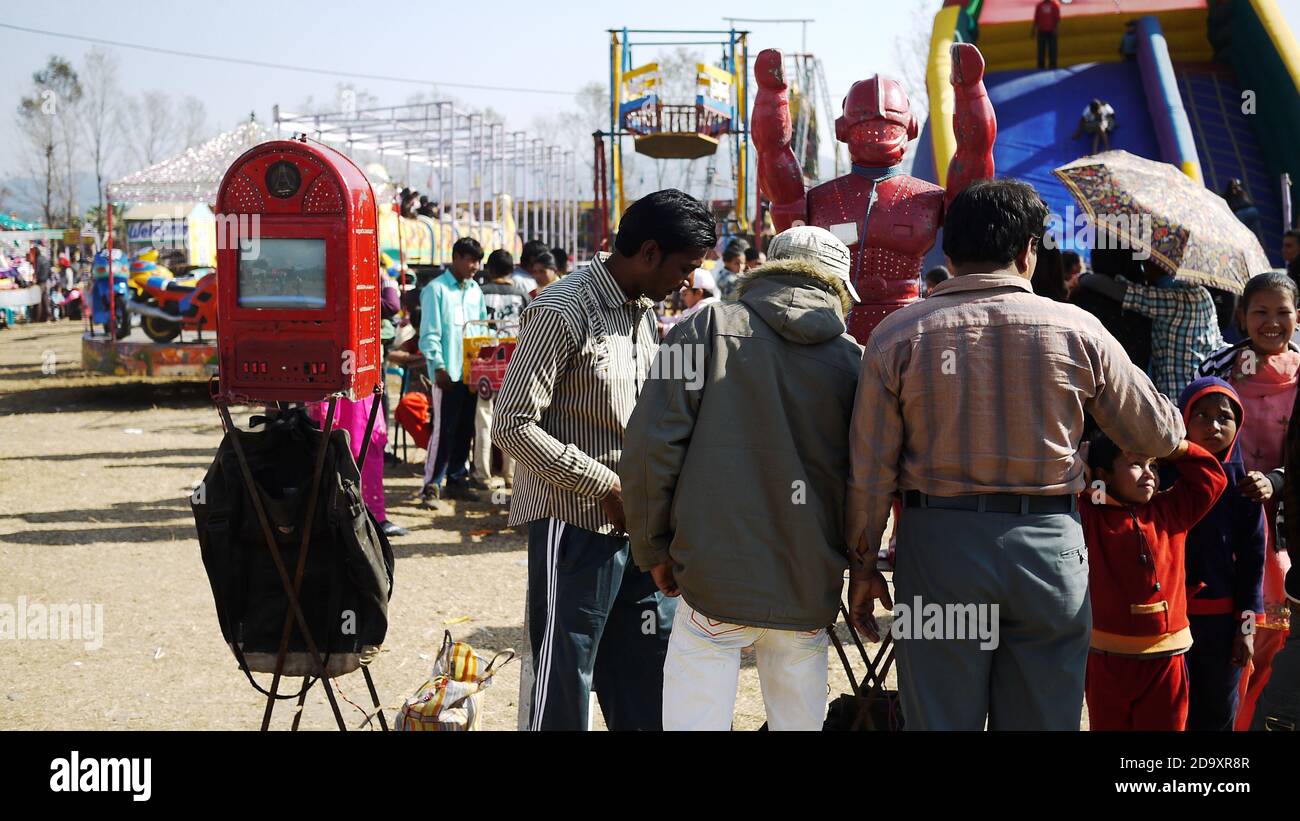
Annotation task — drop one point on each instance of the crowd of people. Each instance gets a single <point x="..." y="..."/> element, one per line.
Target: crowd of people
<point x="1129" y="426"/>
<point x="25" y="264"/>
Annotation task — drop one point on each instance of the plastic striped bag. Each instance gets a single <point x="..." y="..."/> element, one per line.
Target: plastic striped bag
<point x="451" y="699"/>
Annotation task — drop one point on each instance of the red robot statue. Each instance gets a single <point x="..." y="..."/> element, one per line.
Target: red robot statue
<point x="887" y="219"/>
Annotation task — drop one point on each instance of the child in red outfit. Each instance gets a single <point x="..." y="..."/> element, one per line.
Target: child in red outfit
<point x="1137" y="677"/>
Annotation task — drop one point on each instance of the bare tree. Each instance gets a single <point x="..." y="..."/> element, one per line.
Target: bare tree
<point x="54" y="87"/>
<point x="193" y="125"/>
<point x="146" y="128"/>
<point x="346" y="98"/>
<point x="99" y="113"/>
<point x="69" y="133"/>
<point x="912" y="48"/>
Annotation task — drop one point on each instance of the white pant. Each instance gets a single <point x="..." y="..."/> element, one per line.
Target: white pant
<point x="483" y="444"/>
<point x="703" y="667"/>
<point x="435" y="432"/>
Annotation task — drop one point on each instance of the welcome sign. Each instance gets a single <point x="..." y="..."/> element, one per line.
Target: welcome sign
<point x="156" y="231"/>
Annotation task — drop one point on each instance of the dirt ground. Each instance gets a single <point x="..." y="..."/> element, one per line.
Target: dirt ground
<point x="95" y="473"/>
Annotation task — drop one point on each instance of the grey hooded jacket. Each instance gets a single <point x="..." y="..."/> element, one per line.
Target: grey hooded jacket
<point x="736" y="458"/>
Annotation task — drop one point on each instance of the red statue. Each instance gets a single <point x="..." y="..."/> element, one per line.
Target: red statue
<point x="887" y="218"/>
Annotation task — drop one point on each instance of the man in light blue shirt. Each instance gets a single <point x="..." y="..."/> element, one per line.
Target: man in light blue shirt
<point x="448" y="304"/>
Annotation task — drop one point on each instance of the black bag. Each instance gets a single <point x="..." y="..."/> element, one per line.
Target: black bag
<point x="871" y="706"/>
<point x="348" y="578"/>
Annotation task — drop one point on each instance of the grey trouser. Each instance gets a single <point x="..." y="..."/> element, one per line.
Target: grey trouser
<point x="1034" y="568"/>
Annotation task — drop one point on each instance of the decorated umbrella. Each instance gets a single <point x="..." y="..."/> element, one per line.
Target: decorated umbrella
<point x="1154" y="208"/>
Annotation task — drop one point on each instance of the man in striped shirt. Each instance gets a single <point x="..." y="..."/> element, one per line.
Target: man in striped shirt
<point x="584" y="352"/>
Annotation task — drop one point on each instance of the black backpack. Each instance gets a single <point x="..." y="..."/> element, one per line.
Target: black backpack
<point x="348" y="578"/>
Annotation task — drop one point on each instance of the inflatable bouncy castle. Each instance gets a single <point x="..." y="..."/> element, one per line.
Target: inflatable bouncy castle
<point x="1211" y="88"/>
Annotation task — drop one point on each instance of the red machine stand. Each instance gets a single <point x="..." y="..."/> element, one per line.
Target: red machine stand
<point x="298" y="308"/>
<point x="298" y="305"/>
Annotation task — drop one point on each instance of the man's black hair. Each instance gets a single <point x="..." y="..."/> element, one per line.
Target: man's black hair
<point x="530" y="251"/>
<point x="467" y="247"/>
<point x="500" y="263"/>
<point x="1294" y="233"/>
<point x="936" y="275"/>
<point x="1070" y="258"/>
<point x="751" y="254"/>
<point x="673" y="220"/>
<point x="1102" y="453"/>
<point x="991" y="221"/>
<point x="546" y="259"/>
<point x="1115" y="262"/>
<point x="561" y="257"/>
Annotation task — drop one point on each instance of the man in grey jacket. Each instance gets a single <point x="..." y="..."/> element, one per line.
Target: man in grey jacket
<point x="734" y="472"/>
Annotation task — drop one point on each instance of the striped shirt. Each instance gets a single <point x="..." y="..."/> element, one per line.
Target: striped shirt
<point x="583" y="354"/>
<point x="1184" y="329"/>
<point x="982" y="387"/>
<point x="1223" y="362"/>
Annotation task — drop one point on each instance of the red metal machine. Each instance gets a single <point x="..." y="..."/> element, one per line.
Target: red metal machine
<point x="298" y="297"/>
<point x="886" y="218"/>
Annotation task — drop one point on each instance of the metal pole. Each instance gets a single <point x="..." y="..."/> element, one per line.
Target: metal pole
<point x="1286" y="201"/>
<point x="498" y="176"/>
<point x="527" y="190"/>
<point x="551" y="192"/>
<point x="570" y="217"/>
<point x="482" y="169"/>
<point x="514" y="183"/>
<point x="539" y="201"/>
<point x="451" y="165"/>
<point x="564" y="203"/>
<point x="112" y="291"/>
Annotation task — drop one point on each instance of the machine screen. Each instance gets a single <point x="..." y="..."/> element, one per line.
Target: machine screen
<point x="283" y="273"/>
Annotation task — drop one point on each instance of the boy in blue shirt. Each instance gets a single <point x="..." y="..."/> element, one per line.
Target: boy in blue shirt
<point x="447" y="305"/>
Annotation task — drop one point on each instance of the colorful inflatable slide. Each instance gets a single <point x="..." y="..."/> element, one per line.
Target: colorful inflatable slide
<point x="1213" y="89"/>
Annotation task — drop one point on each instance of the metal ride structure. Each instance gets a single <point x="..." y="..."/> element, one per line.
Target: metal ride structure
<point x="673" y="129"/>
<point x="809" y="94"/>
<point x="485" y="181"/>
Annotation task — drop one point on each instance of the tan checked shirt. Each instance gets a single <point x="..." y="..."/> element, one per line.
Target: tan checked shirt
<point x="982" y="388"/>
<point x="584" y="352"/>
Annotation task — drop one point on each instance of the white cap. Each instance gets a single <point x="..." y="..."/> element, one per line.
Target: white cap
<point x="703" y="279"/>
<point x="818" y="246"/>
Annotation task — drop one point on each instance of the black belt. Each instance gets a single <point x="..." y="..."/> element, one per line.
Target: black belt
<point x="993" y="502"/>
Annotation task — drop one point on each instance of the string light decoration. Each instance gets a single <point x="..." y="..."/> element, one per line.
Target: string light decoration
<point x="194" y="174"/>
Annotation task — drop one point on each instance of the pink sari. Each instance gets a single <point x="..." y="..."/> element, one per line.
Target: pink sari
<point x="352" y="417"/>
<point x="1267" y="396"/>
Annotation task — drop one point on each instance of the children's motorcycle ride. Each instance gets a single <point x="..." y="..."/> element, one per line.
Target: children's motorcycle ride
<point x="168" y="302"/>
<point x="168" y="305"/>
<point x="120" y="326"/>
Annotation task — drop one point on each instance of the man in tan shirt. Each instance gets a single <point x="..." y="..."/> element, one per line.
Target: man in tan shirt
<point x="970" y="406"/>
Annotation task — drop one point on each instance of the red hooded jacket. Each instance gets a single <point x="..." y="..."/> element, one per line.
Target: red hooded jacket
<point x="1135" y="556"/>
